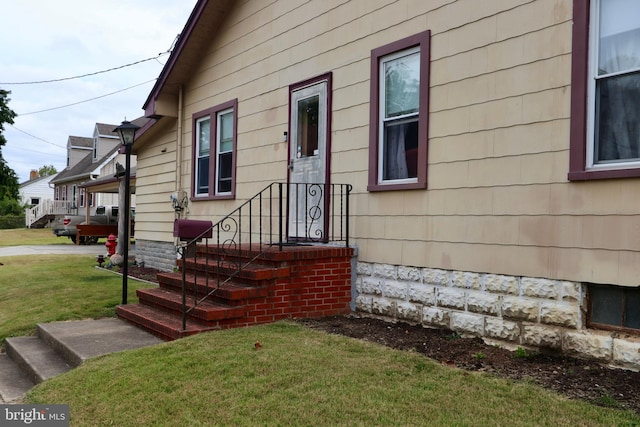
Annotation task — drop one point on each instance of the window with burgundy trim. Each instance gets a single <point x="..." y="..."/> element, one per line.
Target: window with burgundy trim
<point x="399" y="111"/>
<point x="605" y="97"/>
<point x="214" y="152"/>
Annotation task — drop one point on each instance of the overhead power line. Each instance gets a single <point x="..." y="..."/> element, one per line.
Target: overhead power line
<point x="87" y="75"/>
<point x="37" y="137"/>
<point x="86" y="100"/>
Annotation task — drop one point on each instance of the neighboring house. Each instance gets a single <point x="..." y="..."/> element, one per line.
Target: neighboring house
<point x="492" y="147"/>
<point x="37" y="195"/>
<point x="89" y="159"/>
<point x="36" y="190"/>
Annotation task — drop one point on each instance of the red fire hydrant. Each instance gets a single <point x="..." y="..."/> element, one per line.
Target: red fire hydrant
<point x="111" y="244"/>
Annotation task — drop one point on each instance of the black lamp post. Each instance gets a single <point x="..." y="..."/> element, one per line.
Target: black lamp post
<point x="127" y="133"/>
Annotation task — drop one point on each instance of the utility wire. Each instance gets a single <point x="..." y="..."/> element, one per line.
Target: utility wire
<point x="86" y="100"/>
<point x="38" y="138"/>
<point x="87" y="75"/>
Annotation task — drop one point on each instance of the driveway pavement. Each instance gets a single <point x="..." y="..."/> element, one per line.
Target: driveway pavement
<point x="56" y="250"/>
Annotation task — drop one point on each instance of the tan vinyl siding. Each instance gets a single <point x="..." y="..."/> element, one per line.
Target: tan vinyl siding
<point x="155" y="181"/>
<point x="498" y="199"/>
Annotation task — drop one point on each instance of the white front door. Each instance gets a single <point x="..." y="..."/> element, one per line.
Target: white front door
<point x="308" y="162"/>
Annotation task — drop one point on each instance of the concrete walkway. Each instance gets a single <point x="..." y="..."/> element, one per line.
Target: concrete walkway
<point x="54" y="249"/>
<point x="61" y="346"/>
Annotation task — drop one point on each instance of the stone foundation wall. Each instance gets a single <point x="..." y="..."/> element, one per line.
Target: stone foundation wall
<point x="160" y="255"/>
<point x="531" y="312"/>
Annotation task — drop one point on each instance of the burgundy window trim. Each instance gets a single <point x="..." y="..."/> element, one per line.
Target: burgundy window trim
<point x="423" y="40"/>
<point x="579" y="99"/>
<point x="211" y="112"/>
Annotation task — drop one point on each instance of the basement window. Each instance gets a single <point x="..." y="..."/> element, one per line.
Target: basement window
<point x="614" y="307"/>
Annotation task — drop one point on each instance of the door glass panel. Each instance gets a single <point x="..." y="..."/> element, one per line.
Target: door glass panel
<point x="307" y="137"/>
<point x="308" y="112"/>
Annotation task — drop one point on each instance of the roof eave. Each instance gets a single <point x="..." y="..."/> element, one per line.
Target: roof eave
<point x="149" y="104"/>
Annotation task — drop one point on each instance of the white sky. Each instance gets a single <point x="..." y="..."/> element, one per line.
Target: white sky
<point x="46" y="40"/>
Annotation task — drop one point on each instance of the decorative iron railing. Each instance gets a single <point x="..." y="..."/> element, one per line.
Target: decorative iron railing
<point x="281" y="214"/>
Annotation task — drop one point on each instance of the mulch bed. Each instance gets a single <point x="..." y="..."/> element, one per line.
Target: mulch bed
<point x="572" y="377"/>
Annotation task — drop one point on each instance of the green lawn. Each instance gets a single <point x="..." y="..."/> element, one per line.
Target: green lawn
<point x="51" y="288"/>
<point x="301" y="377"/>
<point x="33" y="236"/>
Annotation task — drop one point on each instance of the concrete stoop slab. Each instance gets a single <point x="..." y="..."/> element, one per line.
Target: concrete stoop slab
<point x="61" y="346"/>
<point x="81" y="340"/>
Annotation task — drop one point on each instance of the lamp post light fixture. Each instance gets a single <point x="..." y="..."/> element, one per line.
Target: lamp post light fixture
<point x="127" y="133"/>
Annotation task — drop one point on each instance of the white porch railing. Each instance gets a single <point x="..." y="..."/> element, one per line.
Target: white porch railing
<point x="47" y="207"/>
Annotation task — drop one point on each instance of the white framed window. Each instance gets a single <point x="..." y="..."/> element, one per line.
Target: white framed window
<point x="203" y="151"/>
<point x="214" y="152"/>
<point x="398" y="136"/>
<point x="74" y="195"/>
<point x="399" y="108"/>
<point x="224" y="151"/>
<point x="613" y="124"/>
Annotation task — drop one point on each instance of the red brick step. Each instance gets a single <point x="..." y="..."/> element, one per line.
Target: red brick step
<point x="172" y="301"/>
<point x="161" y="323"/>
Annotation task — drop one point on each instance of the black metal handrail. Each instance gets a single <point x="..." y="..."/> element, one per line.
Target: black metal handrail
<point x="280" y="214"/>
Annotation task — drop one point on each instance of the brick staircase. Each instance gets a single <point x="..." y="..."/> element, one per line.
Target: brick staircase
<point x="297" y="282"/>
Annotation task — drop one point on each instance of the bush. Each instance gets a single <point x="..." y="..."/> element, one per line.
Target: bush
<point x="12" y="221"/>
<point x="11" y="207"/>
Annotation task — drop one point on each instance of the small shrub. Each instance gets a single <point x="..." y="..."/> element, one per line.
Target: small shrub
<point x="453" y="336"/>
<point x="9" y="222"/>
<point x="480" y="355"/>
<point x="521" y="353"/>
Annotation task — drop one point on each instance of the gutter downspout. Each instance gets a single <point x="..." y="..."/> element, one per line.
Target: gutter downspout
<point x="178" y="188"/>
<point x="179" y="143"/>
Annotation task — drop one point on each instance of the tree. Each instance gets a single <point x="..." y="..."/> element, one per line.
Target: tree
<point x="9" y="185"/>
<point x="47" y="170"/>
<point x="6" y="114"/>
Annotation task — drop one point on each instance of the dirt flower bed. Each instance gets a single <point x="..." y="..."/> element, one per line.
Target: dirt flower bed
<point x="144" y="273"/>
<point x="574" y="378"/>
